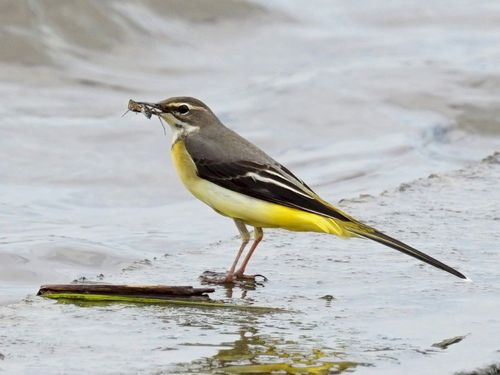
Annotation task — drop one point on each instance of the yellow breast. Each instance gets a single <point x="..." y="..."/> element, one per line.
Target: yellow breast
<point x="184" y="164"/>
<point x="250" y="210"/>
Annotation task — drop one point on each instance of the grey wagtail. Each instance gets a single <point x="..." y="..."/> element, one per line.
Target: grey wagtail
<point x="240" y="181"/>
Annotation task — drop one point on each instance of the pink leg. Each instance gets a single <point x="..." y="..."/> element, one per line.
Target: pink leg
<point x="259" y="234"/>
<point x="245" y="238"/>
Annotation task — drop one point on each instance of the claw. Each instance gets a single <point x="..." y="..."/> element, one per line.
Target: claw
<point x="240" y="276"/>
<point x="210" y="277"/>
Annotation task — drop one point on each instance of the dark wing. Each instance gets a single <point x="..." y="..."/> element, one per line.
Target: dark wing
<point x="274" y="184"/>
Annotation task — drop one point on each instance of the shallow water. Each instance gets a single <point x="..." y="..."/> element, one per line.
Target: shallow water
<point x="355" y="99"/>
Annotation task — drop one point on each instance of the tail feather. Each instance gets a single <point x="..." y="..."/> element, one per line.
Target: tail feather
<point x="382" y="238"/>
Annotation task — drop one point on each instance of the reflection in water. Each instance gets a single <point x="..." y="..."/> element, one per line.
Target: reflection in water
<point x="261" y="354"/>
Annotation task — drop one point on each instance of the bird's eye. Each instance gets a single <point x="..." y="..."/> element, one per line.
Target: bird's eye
<point x="183" y="109"/>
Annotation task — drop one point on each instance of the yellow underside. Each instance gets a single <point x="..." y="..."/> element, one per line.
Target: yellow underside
<point x="250" y="210"/>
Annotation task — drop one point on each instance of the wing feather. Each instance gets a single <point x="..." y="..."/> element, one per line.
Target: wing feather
<point x="272" y="183"/>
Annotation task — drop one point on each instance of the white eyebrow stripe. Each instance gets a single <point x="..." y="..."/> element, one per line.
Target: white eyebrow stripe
<point x="256" y="176"/>
<point x="190" y="106"/>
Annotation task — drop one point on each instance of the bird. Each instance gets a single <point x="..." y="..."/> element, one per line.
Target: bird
<point x="240" y="181"/>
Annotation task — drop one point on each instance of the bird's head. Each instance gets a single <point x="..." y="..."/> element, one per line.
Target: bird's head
<point x="183" y="114"/>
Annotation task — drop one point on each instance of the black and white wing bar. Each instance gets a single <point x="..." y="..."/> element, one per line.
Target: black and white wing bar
<point x="273" y="184"/>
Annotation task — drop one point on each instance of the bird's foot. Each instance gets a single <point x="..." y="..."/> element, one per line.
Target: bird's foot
<point x="255" y="278"/>
<point x="218" y="278"/>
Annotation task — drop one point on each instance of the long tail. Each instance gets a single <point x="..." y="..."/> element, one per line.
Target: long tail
<point x="375" y="235"/>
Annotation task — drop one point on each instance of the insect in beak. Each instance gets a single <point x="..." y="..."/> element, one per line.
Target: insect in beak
<point x="147" y="109"/>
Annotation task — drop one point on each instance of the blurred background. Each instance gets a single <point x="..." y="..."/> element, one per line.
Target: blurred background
<point x="355" y="97"/>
